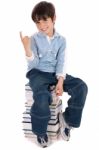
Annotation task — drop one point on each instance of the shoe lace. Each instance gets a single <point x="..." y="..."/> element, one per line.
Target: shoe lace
<point x="67" y="131"/>
<point x="43" y="142"/>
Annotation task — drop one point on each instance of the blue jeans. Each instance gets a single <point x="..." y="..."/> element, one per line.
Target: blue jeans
<point x="40" y="83"/>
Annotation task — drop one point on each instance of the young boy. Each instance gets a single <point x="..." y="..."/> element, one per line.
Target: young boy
<point x="45" y="52"/>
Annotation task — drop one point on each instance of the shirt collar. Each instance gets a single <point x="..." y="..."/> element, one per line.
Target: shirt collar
<point x="44" y="35"/>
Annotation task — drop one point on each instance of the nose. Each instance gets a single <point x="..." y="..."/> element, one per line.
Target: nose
<point x="42" y="25"/>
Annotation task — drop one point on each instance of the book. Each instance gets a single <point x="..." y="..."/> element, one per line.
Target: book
<point x="50" y="128"/>
<point x="53" y="128"/>
<point x="27" y="114"/>
<point x="29" y="95"/>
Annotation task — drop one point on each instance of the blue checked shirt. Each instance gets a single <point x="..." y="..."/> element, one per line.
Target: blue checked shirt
<point x="48" y="54"/>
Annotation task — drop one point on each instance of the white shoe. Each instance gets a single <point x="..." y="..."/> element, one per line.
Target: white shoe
<point x="64" y="128"/>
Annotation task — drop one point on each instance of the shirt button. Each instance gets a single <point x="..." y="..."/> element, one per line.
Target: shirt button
<point x="40" y="55"/>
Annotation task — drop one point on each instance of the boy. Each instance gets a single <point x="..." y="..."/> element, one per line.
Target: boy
<point x="45" y="52"/>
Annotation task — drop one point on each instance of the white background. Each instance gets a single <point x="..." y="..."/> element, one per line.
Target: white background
<point x="78" y="21"/>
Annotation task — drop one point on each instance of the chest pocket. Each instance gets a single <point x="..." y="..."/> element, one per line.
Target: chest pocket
<point x="42" y="52"/>
<point x="47" y="54"/>
<point x="54" y="54"/>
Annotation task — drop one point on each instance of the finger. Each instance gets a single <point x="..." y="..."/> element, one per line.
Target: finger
<point x="58" y="92"/>
<point x="21" y="35"/>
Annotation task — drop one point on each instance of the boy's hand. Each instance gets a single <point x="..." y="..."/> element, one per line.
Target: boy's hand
<point x="26" y="43"/>
<point x="59" y="87"/>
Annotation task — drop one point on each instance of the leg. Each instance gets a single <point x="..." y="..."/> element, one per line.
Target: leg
<point x="77" y="89"/>
<point x="40" y="112"/>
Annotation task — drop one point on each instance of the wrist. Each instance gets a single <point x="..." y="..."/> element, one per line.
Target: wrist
<point x="30" y="57"/>
<point x="28" y="53"/>
<point x="61" y="80"/>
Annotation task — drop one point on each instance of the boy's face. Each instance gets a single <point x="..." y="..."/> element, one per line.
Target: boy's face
<point x="46" y="26"/>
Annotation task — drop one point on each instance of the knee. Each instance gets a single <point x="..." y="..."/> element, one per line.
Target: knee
<point x="82" y="91"/>
<point x="42" y="95"/>
<point x="81" y="86"/>
<point x="40" y="108"/>
<point x="84" y="88"/>
<point x="41" y="104"/>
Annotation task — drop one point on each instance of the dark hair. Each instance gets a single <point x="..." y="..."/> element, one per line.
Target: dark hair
<point x="43" y="10"/>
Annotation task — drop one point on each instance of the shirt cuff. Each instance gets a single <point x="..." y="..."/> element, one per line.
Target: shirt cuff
<point x="30" y="58"/>
<point x="60" y="75"/>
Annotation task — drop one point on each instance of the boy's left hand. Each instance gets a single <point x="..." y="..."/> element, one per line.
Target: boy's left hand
<point x="59" y="89"/>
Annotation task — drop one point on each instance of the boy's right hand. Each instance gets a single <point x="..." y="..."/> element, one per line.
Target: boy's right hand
<point x="26" y="43"/>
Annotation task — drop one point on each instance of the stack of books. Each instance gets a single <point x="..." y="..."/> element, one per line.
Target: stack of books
<point x="53" y="129"/>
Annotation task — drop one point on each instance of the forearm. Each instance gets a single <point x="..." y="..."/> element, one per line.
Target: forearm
<point x="61" y="80"/>
<point x="32" y="61"/>
<point x="59" y="86"/>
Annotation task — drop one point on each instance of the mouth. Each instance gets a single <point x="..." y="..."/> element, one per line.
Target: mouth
<point x="44" y="30"/>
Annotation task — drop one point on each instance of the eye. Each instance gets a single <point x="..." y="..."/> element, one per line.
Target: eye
<point x="37" y="22"/>
<point x="46" y="20"/>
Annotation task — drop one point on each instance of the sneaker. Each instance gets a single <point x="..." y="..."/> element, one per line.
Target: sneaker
<point x="43" y="141"/>
<point x="64" y="128"/>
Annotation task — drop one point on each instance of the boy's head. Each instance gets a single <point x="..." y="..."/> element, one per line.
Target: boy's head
<point x="42" y="11"/>
<point x="43" y="15"/>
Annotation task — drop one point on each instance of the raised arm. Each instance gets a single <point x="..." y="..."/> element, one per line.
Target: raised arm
<point x="26" y="44"/>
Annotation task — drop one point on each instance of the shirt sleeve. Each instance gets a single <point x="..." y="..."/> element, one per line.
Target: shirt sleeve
<point x="33" y="61"/>
<point x="30" y="58"/>
<point x="61" y="60"/>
